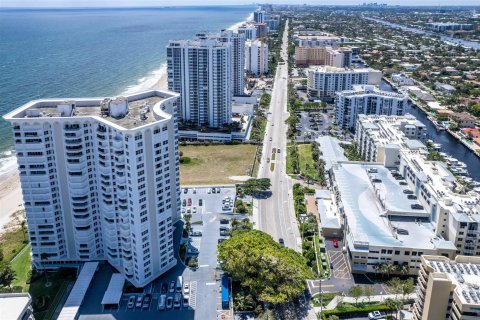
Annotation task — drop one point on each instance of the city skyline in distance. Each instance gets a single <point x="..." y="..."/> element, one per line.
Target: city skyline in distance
<point x="152" y="3"/>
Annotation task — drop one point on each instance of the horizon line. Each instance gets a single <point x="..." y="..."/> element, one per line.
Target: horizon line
<point x="230" y="5"/>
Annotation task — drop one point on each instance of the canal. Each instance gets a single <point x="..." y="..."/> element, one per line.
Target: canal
<point x="449" y="144"/>
<point x="447" y="39"/>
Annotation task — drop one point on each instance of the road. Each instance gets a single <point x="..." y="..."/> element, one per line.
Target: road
<point x="276" y="214"/>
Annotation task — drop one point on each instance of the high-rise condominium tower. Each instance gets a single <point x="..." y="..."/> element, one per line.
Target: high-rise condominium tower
<point x="100" y="181"/>
<point x="201" y="71"/>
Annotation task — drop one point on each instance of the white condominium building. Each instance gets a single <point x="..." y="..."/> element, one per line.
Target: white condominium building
<point x="238" y="60"/>
<point x="454" y="214"/>
<point x="325" y="81"/>
<point x="340" y="58"/>
<point x="448" y="289"/>
<point x="100" y="181"/>
<point x="201" y="71"/>
<point x="367" y="99"/>
<point x="259" y="16"/>
<point x="249" y="30"/>
<point x="256" y="57"/>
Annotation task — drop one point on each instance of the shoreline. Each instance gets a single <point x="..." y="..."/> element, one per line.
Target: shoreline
<point x="11" y="198"/>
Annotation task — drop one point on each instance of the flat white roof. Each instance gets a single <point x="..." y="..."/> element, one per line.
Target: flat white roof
<point x="114" y="290"/>
<point x="12" y="305"/>
<point x="327" y="209"/>
<point x="75" y="298"/>
<point x="331" y="151"/>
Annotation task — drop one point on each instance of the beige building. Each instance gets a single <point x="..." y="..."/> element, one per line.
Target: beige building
<point x="448" y="289"/>
<point x="305" y="56"/>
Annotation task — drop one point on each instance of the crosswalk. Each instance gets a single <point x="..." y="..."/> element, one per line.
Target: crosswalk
<point x="193" y="294"/>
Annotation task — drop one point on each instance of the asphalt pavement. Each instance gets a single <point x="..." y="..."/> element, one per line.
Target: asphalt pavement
<point x="276" y="214"/>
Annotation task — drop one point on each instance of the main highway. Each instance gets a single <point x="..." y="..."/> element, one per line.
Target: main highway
<point x="276" y="214"/>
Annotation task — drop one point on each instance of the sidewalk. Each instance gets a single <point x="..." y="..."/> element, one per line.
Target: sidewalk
<point x="378" y="298"/>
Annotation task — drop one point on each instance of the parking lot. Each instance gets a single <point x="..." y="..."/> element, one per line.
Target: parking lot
<point x="204" y="282"/>
<point x="338" y="260"/>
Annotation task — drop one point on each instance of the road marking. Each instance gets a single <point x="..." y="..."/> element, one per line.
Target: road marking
<point x="193" y="294"/>
<point x="203" y="265"/>
<point x="210" y="283"/>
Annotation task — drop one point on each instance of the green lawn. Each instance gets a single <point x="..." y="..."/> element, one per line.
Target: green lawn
<point x="12" y="242"/>
<point x="324" y="271"/>
<point x="22" y="266"/>
<point x="305" y="160"/>
<point x="214" y="164"/>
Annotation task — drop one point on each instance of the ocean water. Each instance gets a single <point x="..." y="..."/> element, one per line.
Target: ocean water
<point x="91" y="52"/>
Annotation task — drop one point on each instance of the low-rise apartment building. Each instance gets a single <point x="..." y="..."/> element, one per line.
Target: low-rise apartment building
<point x="16" y="306"/>
<point x="463" y="119"/>
<point x="448" y="289"/>
<point x="392" y="142"/>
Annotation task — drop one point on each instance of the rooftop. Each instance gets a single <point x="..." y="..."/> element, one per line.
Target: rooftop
<point x="13" y="305"/>
<point x="367" y="205"/>
<point x="125" y="112"/>
<point x="367" y="90"/>
<point x="464" y="272"/>
<point x="330" y="69"/>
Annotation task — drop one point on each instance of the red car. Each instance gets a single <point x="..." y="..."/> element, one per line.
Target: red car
<point x="335" y="243"/>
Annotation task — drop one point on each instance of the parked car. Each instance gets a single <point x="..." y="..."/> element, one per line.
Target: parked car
<point x="161" y="302"/>
<point x="185" y="302"/>
<point x="221" y="240"/>
<point x="224" y="221"/>
<point x="376" y="180"/>
<point x="184" y="202"/>
<point x="185" y="190"/>
<point x="146" y="301"/>
<point x="192" y="250"/>
<point x="417" y="206"/>
<point x="406" y="191"/>
<point x="139" y="302"/>
<point x="186" y="287"/>
<point x="209" y="190"/>
<point x="278" y="150"/>
<point x="282" y="243"/>
<point x="177" y="300"/>
<point x="189" y="202"/>
<point x="377" y="315"/>
<point x="335" y="243"/>
<point x="412" y="197"/>
<point x="169" y="302"/>
<point x="171" y="288"/>
<point x="200" y="202"/>
<point x="194" y="191"/>
<point x="217" y="190"/>
<point x="194" y="210"/>
<point x="131" y="302"/>
<point x="403" y="183"/>
<point x="195" y="233"/>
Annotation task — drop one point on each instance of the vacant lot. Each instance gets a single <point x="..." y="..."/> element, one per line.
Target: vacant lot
<point x="215" y="164"/>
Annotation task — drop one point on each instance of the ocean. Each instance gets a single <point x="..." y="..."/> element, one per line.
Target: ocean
<point x="91" y="52"/>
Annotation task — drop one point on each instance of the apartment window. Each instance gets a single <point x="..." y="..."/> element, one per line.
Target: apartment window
<point x="407" y="253"/>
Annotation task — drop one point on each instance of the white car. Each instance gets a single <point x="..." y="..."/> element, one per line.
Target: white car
<point x="186" y="288"/>
<point x="162" y="302"/>
<point x="377" y="315"/>
<point x="131" y="302"/>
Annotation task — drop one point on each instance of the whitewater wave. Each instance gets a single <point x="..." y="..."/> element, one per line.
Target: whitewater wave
<point x="157" y="79"/>
<point x="235" y="26"/>
<point x="8" y="164"/>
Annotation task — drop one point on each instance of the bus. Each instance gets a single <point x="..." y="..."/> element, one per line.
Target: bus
<point x="225" y="292"/>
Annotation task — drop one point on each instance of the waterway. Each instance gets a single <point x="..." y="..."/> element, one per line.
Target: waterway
<point x="449" y="144"/>
<point x="447" y="39"/>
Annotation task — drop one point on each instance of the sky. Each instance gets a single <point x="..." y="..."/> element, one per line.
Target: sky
<point x="123" y="3"/>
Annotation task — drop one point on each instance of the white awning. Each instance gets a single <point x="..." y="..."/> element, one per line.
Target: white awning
<point x="75" y="298"/>
<point x="114" y="290"/>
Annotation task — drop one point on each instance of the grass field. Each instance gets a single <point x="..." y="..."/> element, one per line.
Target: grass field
<point x="305" y="159"/>
<point x="22" y="266"/>
<point x="12" y="242"/>
<point x="216" y="163"/>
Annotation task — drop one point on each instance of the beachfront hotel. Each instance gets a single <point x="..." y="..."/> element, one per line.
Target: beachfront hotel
<point x="100" y="181"/>
<point x="448" y="289"/>
<point x="366" y="99"/>
<point x="201" y="71"/>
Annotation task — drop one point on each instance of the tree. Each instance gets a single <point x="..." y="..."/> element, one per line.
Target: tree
<point x="253" y="186"/>
<point x="368" y="291"/>
<point x="407" y="287"/>
<point x="355" y="292"/>
<point x="1" y="254"/>
<point x="333" y="317"/>
<point x="187" y="217"/>
<point x="7" y="275"/>
<point x="271" y="273"/>
<point x="395" y="285"/>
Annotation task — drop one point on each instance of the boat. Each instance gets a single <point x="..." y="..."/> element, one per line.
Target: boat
<point x="437" y="146"/>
